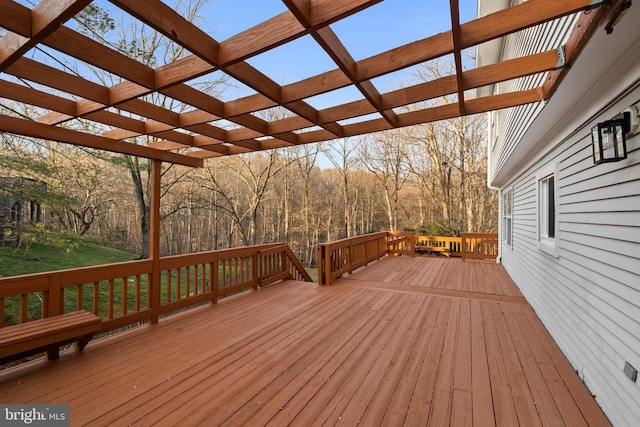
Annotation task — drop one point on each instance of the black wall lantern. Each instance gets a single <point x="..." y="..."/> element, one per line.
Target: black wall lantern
<point x="609" y="141"/>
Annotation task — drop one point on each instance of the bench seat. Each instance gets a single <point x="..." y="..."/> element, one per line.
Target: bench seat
<point x="48" y="335"/>
<point x="432" y="249"/>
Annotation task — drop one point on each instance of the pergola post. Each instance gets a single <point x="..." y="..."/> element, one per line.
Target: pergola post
<point x="154" y="240"/>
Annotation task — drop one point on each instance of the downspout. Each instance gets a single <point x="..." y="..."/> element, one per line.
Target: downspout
<point x="491" y="187"/>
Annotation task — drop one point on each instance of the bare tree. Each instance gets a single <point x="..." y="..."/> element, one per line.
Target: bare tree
<point x="385" y="156"/>
<point x="151" y="48"/>
<point x="341" y="154"/>
<point x="241" y="182"/>
<point x="304" y="158"/>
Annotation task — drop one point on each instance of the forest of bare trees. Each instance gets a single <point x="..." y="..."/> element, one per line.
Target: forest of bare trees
<point x="428" y="178"/>
<point x="300" y="195"/>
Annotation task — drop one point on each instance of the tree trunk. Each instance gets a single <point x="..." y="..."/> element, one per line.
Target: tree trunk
<point x="141" y="192"/>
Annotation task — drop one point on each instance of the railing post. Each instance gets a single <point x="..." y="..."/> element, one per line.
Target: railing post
<point x="321" y="264"/>
<point x="327" y="265"/>
<point x="56" y="296"/>
<point x="412" y="243"/>
<point x="256" y="260"/>
<point x="463" y="249"/>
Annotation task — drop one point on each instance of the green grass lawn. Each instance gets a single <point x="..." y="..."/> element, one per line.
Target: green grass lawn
<point x="38" y="258"/>
<point x="81" y="252"/>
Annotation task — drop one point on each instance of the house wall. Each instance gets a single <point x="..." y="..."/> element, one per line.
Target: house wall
<point x="588" y="293"/>
<point x="508" y="126"/>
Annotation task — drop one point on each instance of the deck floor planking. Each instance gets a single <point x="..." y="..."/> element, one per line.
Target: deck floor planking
<point x="404" y="341"/>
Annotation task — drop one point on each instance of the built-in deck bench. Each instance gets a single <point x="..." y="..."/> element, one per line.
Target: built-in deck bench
<point x="48" y="334"/>
<point x="433" y="249"/>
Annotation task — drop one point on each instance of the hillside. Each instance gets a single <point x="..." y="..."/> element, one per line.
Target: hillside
<point x="40" y="257"/>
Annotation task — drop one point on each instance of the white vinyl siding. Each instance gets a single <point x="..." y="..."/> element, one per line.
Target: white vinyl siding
<point x="587" y="290"/>
<point x="589" y="296"/>
<point x="512" y="123"/>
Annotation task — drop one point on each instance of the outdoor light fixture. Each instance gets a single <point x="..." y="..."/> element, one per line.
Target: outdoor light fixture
<point x="615" y="17"/>
<point x="609" y="141"/>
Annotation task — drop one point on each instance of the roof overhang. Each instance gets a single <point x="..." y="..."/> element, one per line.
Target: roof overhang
<point x="607" y="66"/>
<point x="489" y="52"/>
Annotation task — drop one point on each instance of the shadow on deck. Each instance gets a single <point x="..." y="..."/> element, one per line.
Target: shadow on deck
<point x="405" y="341"/>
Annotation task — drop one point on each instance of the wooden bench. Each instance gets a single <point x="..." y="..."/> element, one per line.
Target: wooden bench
<point x="48" y="335"/>
<point x="434" y="249"/>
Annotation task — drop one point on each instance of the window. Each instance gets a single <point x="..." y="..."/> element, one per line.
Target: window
<point x="547" y="184"/>
<point x="507" y="216"/>
<point x="547" y="208"/>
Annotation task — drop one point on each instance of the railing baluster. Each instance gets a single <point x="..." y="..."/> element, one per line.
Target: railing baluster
<point x="24" y="304"/>
<point x="213" y="280"/>
<point x="187" y="281"/>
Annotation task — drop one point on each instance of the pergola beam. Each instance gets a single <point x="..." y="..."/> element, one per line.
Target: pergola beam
<point x="172" y="25"/>
<point x="518" y="17"/>
<point x="126" y="111"/>
<point x="37" y="130"/>
<point x="46" y="17"/>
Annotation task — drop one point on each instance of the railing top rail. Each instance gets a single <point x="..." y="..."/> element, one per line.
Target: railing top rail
<point x="357" y="239"/>
<point x="141" y="266"/>
<point x="480" y="235"/>
<point x="437" y="238"/>
<point x="273" y="249"/>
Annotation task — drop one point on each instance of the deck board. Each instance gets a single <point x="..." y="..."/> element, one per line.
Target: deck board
<point x="404" y="341"/>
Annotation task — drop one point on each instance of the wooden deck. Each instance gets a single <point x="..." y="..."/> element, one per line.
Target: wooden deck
<point x="405" y="341"/>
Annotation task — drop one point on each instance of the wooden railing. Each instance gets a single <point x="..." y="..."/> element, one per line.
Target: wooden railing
<point x="279" y="263"/>
<point x="468" y="245"/>
<point x="344" y="256"/>
<point x="401" y="243"/>
<point x="479" y="245"/>
<point x="122" y="294"/>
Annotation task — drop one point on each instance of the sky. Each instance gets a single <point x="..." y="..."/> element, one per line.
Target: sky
<point x="379" y="28"/>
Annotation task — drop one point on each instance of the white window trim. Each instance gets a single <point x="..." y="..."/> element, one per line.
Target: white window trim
<point x="547" y="244"/>
<point x="507" y="240"/>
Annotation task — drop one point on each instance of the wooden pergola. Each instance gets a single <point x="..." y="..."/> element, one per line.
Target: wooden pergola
<point x="125" y="111"/>
<point x="188" y="138"/>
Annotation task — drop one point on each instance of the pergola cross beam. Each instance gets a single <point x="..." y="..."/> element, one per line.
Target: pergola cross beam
<point x="195" y="131"/>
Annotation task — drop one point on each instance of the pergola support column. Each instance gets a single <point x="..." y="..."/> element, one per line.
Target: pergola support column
<point x="154" y="240"/>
